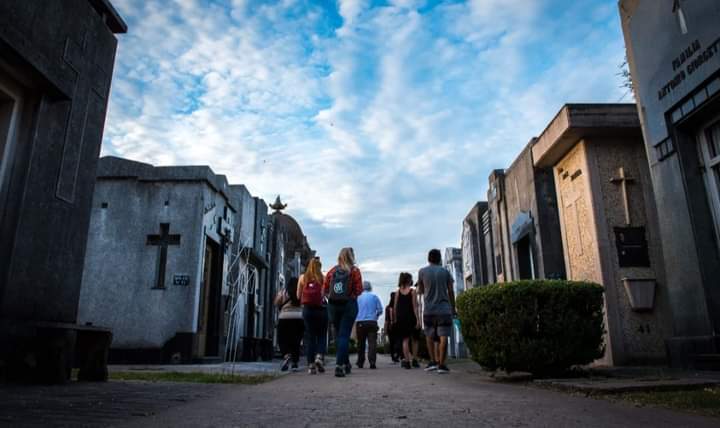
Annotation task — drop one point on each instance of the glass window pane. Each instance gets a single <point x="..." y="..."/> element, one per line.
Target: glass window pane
<point x="713" y="139"/>
<point x="676" y="115"/>
<point x="713" y="86"/>
<point x="688" y="107"/>
<point x="700" y="97"/>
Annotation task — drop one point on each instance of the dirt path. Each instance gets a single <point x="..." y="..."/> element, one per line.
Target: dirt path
<point x="393" y="396"/>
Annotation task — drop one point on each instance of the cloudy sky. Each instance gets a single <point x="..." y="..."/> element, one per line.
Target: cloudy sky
<point x="377" y="121"/>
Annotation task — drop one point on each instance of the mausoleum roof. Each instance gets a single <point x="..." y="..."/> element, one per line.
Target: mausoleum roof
<point x="112" y="18"/>
<point x="577" y="121"/>
<point x="291" y="226"/>
<point x="476" y="212"/>
<point x="112" y="167"/>
<point x="296" y="239"/>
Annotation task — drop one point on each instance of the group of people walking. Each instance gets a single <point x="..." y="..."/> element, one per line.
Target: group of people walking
<point x="341" y="298"/>
<point x="405" y="321"/>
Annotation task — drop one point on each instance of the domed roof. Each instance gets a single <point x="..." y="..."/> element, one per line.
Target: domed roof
<point x="290" y="226"/>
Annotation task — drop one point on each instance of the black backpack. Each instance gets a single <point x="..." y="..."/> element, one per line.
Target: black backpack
<point x="340" y="285"/>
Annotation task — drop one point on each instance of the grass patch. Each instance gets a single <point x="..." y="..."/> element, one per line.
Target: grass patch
<point x="196" y="377"/>
<point x="704" y="401"/>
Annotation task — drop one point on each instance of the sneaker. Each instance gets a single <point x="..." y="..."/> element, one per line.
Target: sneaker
<point x="432" y="365"/>
<point x="360" y="365"/>
<point x="295" y="367"/>
<point x="286" y="364"/>
<point x="339" y="372"/>
<point x="405" y="364"/>
<point x="443" y="369"/>
<point x="319" y="364"/>
<point x="348" y="368"/>
<point x="415" y="363"/>
<point x="312" y="370"/>
<point x="372" y="366"/>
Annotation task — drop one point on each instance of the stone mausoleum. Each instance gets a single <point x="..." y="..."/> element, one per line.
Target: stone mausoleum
<point x="578" y="203"/>
<point x="156" y="260"/>
<point x="477" y="248"/>
<point x="609" y="222"/>
<point x="453" y="262"/>
<point x="280" y="252"/>
<point x="673" y="51"/>
<point x="524" y="221"/>
<point x="184" y="267"/>
<point x="251" y="285"/>
<point x="56" y="66"/>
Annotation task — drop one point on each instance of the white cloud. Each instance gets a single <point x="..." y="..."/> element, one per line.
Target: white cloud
<point x="380" y="133"/>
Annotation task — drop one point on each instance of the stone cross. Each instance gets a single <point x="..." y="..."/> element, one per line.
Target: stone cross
<point x="623" y="181"/>
<point x="85" y="116"/>
<point x="571" y="199"/>
<point x="678" y="11"/>
<point x="163" y="240"/>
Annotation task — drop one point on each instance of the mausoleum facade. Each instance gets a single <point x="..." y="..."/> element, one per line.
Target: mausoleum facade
<point x="609" y="223"/>
<point x="673" y="51"/>
<point x="157" y="259"/>
<point x="56" y="66"/>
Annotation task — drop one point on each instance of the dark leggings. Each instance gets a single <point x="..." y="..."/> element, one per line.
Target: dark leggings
<point x="290" y="334"/>
<point x="315" y="327"/>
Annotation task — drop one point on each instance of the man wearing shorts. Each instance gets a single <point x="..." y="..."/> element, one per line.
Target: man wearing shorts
<point x="435" y="284"/>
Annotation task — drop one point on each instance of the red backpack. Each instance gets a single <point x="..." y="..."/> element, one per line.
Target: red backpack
<point x="312" y="294"/>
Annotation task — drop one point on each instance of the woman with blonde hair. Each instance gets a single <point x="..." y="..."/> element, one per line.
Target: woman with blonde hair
<point x="311" y="296"/>
<point x="343" y="285"/>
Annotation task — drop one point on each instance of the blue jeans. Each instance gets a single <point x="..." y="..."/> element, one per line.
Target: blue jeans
<point x="342" y="316"/>
<point x="315" y="327"/>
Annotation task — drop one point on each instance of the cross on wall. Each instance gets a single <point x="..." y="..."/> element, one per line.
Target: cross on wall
<point x="163" y="241"/>
<point x="623" y="180"/>
<point x="85" y="114"/>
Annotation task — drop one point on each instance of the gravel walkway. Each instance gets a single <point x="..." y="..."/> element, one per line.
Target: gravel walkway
<point x="393" y="396"/>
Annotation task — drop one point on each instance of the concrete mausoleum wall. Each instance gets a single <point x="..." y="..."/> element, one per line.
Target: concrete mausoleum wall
<point x="642" y="332"/>
<point x="120" y="282"/>
<point x="522" y="201"/>
<point x="453" y="262"/>
<point x="60" y="57"/>
<point x="56" y="67"/>
<point x="476" y="249"/>
<point x="605" y="195"/>
<point x="576" y="213"/>
<point x="673" y="51"/>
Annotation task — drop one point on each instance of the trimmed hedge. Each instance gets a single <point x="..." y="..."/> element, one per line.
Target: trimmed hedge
<point x="542" y="327"/>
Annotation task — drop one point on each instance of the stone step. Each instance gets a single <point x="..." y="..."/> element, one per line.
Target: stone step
<point x="707" y="362"/>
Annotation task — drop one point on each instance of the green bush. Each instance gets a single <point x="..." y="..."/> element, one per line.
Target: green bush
<point x="542" y="327"/>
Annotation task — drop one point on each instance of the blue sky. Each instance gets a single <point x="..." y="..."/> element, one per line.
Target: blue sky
<point x="377" y="121"/>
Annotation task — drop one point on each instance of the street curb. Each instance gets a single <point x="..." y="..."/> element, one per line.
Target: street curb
<point x="605" y="387"/>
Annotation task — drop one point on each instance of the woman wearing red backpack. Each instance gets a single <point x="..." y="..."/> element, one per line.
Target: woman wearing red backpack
<point x="311" y="296"/>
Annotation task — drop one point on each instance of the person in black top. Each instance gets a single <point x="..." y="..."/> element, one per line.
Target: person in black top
<point x="406" y="320"/>
<point x="393" y="343"/>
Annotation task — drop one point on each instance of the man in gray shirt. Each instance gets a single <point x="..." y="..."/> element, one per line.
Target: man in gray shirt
<point x="435" y="284"/>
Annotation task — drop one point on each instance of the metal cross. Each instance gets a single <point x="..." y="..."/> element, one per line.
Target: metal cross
<point x="163" y="240"/>
<point x="623" y="181"/>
